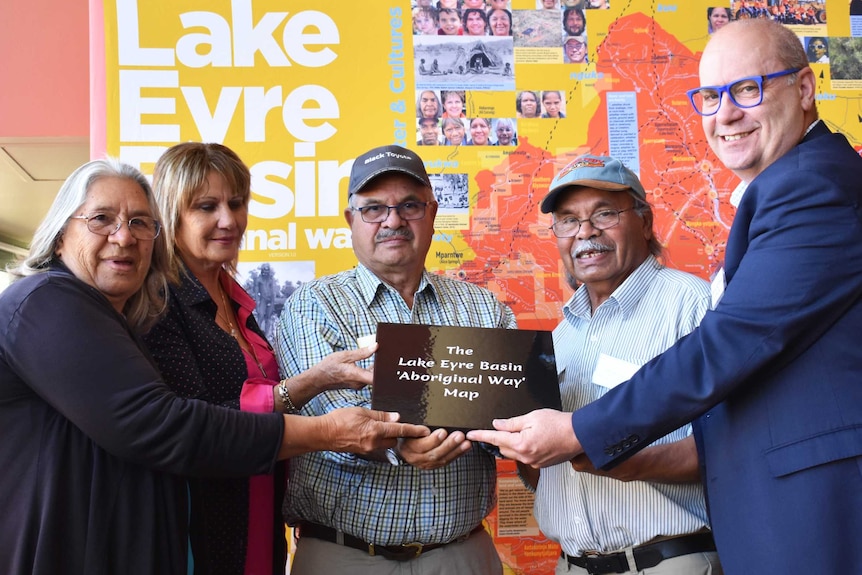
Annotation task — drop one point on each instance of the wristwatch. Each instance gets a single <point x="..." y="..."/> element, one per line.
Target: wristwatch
<point x="394" y="458"/>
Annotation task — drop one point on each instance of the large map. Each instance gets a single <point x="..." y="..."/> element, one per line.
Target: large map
<point x="508" y="246"/>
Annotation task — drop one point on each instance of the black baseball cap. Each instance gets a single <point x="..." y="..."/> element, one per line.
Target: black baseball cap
<point x="385" y="160"/>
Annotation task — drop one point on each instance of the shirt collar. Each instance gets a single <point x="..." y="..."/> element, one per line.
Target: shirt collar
<point x="370" y="284"/>
<point x="191" y="291"/>
<point x="626" y="296"/>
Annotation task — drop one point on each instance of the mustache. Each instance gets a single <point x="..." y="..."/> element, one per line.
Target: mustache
<point x="590" y="245"/>
<point x="386" y="234"/>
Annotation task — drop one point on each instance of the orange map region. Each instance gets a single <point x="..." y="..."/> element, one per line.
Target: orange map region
<point x="515" y="253"/>
<point x="527" y="552"/>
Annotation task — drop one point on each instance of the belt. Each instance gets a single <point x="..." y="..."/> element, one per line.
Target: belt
<point x="646" y="555"/>
<point x="392" y="552"/>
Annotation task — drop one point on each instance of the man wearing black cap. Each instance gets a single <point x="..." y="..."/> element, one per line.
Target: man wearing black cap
<point x="424" y="502"/>
<point x="648" y="513"/>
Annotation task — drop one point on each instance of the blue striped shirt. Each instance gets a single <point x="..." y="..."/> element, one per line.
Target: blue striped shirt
<point x="375" y="501"/>
<point x="646" y="314"/>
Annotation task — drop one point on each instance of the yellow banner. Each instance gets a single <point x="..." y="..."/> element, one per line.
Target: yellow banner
<point x="300" y="88"/>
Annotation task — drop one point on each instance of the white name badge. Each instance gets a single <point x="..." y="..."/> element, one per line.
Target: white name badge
<point x="612" y="371"/>
<point x="717" y="287"/>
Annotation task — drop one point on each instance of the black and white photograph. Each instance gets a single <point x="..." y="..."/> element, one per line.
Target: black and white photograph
<point x="451" y="191"/>
<point x="269" y="284"/>
<point x="464" y="63"/>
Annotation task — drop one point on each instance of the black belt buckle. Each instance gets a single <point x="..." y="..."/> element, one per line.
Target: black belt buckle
<point x="405" y="553"/>
<point x="598" y="564"/>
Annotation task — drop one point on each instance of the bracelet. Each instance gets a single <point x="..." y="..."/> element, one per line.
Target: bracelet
<point x="285" y="398"/>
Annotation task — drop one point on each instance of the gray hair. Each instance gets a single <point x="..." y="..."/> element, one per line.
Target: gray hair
<point x="506" y="122"/>
<point x="436" y="99"/>
<point x="644" y="210"/>
<point x="148" y="303"/>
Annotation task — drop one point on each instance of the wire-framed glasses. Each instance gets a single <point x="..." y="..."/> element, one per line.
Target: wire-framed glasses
<point x="376" y="213"/>
<point x="744" y="93"/>
<point x="103" y="224"/>
<point x="569" y="226"/>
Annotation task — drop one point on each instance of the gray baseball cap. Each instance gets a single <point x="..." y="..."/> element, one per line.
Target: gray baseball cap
<point x="601" y="172"/>
<point x="384" y="160"/>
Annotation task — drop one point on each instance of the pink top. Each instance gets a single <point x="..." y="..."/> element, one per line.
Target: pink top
<point x="256" y="396"/>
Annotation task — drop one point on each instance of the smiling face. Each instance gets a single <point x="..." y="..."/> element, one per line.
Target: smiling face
<point x="500" y="23"/>
<point x="576" y="51"/>
<point x="529" y="105"/>
<point x="454" y="132"/>
<point x="474" y="24"/>
<point x="450" y="24"/>
<point x="574" y="23"/>
<point x="602" y="259"/>
<point x="479" y="131"/>
<point x="748" y="140"/>
<point x="505" y="133"/>
<point x="116" y="265"/>
<point x="210" y="229"/>
<point x="453" y="105"/>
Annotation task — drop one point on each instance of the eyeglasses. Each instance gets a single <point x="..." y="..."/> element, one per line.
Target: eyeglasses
<point x="141" y="227"/>
<point x="569" y="226"/>
<point x="744" y="93"/>
<point x="408" y="211"/>
<point x="818" y="46"/>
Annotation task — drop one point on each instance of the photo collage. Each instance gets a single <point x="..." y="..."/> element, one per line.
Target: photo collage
<point x="466" y="47"/>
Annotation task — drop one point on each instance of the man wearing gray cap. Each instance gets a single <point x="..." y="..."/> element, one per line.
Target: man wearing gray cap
<point x="417" y="508"/>
<point x="648" y="513"/>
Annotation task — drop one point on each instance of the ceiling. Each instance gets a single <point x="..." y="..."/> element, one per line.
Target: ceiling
<point x="31" y="172"/>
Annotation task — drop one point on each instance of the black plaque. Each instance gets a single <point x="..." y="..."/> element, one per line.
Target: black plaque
<point x="463" y="377"/>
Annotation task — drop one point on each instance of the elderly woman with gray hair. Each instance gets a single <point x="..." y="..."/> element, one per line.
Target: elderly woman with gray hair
<point x="94" y="442"/>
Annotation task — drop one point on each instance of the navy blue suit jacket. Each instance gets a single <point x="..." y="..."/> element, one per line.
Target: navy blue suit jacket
<point x="775" y="371"/>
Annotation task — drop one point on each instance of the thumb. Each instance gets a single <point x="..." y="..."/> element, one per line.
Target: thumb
<point x="512" y="424"/>
<point x="384" y="415"/>
<point x="362" y="352"/>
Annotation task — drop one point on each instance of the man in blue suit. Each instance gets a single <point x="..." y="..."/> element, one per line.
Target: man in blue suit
<point x="774" y="372"/>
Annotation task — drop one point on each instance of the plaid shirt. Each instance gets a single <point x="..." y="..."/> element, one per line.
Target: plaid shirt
<point x="375" y="501"/>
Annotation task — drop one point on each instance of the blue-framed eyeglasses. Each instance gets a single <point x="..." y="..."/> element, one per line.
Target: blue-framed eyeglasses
<point x="744" y="93"/>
